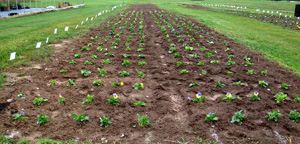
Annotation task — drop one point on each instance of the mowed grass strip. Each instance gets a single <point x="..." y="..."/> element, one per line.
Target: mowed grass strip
<point x="21" y="34"/>
<point x="277" y="43"/>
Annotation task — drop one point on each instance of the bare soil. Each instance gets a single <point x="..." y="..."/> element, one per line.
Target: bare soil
<point x="172" y="116"/>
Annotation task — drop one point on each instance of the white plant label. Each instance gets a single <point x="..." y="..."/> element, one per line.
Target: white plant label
<point x="38" y="45"/>
<point x="47" y="40"/>
<point x="81" y="22"/>
<point x="66" y="28"/>
<point x="12" y="56"/>
<point x="55" y="31"/>
<point x="95" y="16"/>
<point x="87" y="19"/>
<point x="76" y="26"/>
<point x="92" y="18"/>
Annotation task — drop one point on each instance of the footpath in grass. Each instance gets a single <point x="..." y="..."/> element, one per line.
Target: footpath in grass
<point x="278" y="44"/>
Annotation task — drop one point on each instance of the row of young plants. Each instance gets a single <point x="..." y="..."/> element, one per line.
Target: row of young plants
<point x="114" y="100"/>
<point x="269" y="17"/>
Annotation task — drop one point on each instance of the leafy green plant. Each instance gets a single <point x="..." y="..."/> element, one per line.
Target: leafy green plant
<point x="284" y="86"/>
<point x="188" y="48"/>
<point x="104" y="121"/>
<point x="204" y="72"/>
<point x="254" y="97"/>
<point x="193" y="84"/>
<point x="42" y="119"/>
<point x="71" y="82"/>
<point x="20" y="116"/>
<point x="114" y="100"/>
<point x="89" y="44"/>
<point x="229" y="97"/>
<point x="203" y="49"/>
<point x="274" y="115"/>
<point x="117" y="83"/>
<point x="85" y="73"/>
<point x="141" y="56"/>
<point x="280" y="97"/>
<point x="101" y="48"/>
<point x="109" y="54"/>
<point x="88" y="63"/>
<point x="140" y="103"/>
<point x="20" y="95"/>
<point x="80" y="118"/>
<point x="126" y="55"/>
<point x="72" y="62"/>
<point x="62" y="99"/>
<point x="263" y="84"/>
<point x="198" y="99"/>
<point x="230" y="62"/>
<point x="294" y="115"/>
<point x="264" y="72"/>
<point x="238" y="117"/>
<point x="102" y="72"/>
<point x="194" y="56"/>
<point x="38" y="101"/>
<point x="107" y="61"/>
<point x="297" y="98"/>
<point x="172" y="49"/>
<point x="229" y="72"/>
<point x="63" y="71"/>
<point x="214" y="62"/>
<point x="211" y="117"/>
<point x="123" y="73"/>
<point x="140" y="49"/>
<point x="246" y="58"/>
<point x="176" y="55"/>
<point x="138" y="86"/>
<point x="248" y="64"/>
<point x="93" y="56"/>
<point x="208" y="55"/>
<point x="143" y="120"/>
<point x="184" y="71"/>
<point x="219" y="84"/>
<point x="77" y="55"/>
<point x="84" y="48"/>
<point x="89" y="99"/>
<point x="143" y="63"/>
<point x="200" y="63"/>
<point x="250" y="72"/>
<point x="98" y="82"/>
<point x="141" y="74"/>
<point x="126" y="62"/>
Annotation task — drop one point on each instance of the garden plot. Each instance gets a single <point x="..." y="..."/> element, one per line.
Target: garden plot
<point x="149" y="75"/>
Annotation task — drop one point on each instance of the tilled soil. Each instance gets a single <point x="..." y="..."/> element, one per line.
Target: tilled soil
<point x="172" y="116"/>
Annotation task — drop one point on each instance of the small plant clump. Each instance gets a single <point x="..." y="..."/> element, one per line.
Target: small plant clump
<point x="42" y="119"/>
<point x="211" y="117"/>
<point x="140" y="103"/>
<point x="85" y="73"/>
<point x="263" y="84"/>
<point x="62" y="99"/>
<point x="143" y="120"/>
<point x="102" y="72"/>
<point x="274" y="115"/>
<point x="98" y="82"/>
<point x="284" y="86"/>
<point x="114" y="100"/>
<point x="229" y="97"/>
<point x="198" y="99"/>
<point x="294" y="115"/>
<point x="80" y="118"/>
<point x="219" y="84"/>
<point x="138" y="86"/>
<point x="254" y="97"/>
<point x="71" y="82"/>
<point x="104" y="121"/>
<point x="238" y="117"/>
<point x="38" y="101"/>
<point x="89" y="99"/>
<point x="280" y="97"/>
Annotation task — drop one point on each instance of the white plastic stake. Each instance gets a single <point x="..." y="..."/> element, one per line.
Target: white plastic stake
<point x="55" y="30"/>
<point x="47" y="40"/>
<point x="12" y="56"/>
<point x="87" y="19"/>
<point x="76" y="26"/>
<point x="92" y="18"/>
<point x="81" y="22"/>
<point x="66" y="28"/>
<point x="38" y="45"/>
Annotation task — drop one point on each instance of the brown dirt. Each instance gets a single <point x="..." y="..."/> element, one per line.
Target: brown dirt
<point x="172" y="115"/>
